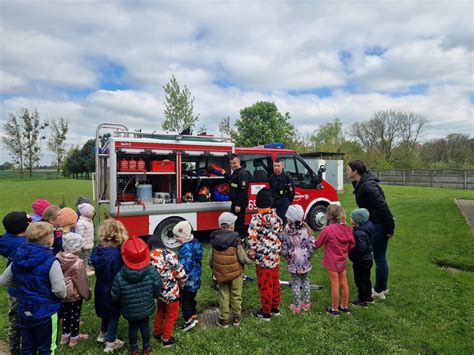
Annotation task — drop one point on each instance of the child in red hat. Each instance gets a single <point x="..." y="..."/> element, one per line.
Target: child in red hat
<point x="135" y="287"/>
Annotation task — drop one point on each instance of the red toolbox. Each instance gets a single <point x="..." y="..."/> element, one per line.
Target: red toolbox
<point x="163" y="166"/>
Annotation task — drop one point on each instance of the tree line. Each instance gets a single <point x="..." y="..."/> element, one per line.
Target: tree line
<point x="389" y="139"/>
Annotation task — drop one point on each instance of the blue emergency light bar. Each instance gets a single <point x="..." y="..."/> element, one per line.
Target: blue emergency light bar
<point x="275" y="145"/>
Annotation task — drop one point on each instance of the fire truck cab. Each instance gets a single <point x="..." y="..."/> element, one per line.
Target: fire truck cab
<point x="152" y="181"/>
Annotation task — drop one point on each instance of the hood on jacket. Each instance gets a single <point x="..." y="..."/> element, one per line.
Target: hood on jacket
<point x="29" y="255"/>
<point x="223" y="239"/>
<point x="366" y="227"/>
<point x="268" y="219"/>
<point x="102" y="255"/>
<point x="134" y="276"/>
<point x="66" y="259"/>
<point x="368" y="176"/>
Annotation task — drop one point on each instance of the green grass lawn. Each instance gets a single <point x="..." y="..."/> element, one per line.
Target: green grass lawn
<point x="429" y="309"/>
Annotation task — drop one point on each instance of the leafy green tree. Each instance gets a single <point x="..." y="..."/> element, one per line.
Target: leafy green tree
<point x="262" y="123"/>
<point x="87" y="158"/>
<point x="329" y="137"/>
<point x="23" y="138"/>
<point x="179" y="107"/>
<point x="72" y="165"/>
<point x="13" y="142"/>
<point x="56" y="142"/>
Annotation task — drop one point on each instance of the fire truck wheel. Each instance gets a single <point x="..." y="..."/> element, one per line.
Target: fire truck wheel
<point x="163" y="234"/>
<point x="316" y="217"/>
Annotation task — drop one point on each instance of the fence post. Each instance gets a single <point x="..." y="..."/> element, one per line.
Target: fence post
<point x="404" y="179"/>
<point x="431" y="178"/>
<point x="465" y="179"/>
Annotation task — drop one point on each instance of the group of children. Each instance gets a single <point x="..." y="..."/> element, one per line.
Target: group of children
<point x="49" y="262"/>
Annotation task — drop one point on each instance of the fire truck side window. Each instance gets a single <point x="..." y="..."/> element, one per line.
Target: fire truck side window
<point x="258" y="165"/>
<point x="302" y="177"/>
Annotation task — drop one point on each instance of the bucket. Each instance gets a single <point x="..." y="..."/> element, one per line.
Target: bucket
<point x="144" y="192"/>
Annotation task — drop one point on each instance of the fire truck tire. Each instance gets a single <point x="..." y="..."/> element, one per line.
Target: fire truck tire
<point x="162" y="231"/>
<point x="316" y="218"/>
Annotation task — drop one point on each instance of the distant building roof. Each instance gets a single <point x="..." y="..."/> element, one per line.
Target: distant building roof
<point x="323" y="155"/>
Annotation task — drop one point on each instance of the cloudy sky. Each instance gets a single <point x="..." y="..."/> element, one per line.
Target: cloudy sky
<point x="107" y="61"/>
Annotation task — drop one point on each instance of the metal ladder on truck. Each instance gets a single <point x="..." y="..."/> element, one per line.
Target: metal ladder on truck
<point x="100" y="183"/>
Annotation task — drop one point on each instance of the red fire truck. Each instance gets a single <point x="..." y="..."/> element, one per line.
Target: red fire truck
<point x="152" y="181"/>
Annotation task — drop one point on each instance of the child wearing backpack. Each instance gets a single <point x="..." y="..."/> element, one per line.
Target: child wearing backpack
<point x="190" y="256"/>
<point x="107" y="262"/>
<point x="77" y="288"/>
<point x="298" y="248"/>
<point x="264" y="247"/>
<point x="337" y="240"/>
<point x="227" y="261"/>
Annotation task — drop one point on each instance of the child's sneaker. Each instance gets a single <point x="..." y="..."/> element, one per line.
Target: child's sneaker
<point x="65" y="338"/>
<point x="332" y="312"/>
<point x="258" y="313"/>
<point x="295" y="309"/>
<point x="345" y="310"/>
<point x="189" y="324"/>
<point x="168" y="342"/>
<point x="359" y="303"/>
<point x="195" y="317"/>
<point x="102" y="337"/>
<point x="110" y="347"/>
<point x="236" y="321"/>
<point x="370" y="300"/>
<point x="275" y="312"/>
<point x="306" y="307"/>
<point x="76" y="340"/>
<point x="222" y="323"/>
<point x="380" y="295"/>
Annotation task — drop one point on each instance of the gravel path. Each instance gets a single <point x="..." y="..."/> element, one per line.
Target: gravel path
<point x="467" y="209"/>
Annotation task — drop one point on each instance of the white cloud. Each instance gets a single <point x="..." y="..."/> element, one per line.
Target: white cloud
<point x="53" y="54"/>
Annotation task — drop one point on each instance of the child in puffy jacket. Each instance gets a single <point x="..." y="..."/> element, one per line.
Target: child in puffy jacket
<point x="85" y="227"/>
<point x="361" y="256"/>
<point x="298" y="248"/>
<point x="190" y="256"/>
<point x="173" y="277"/>
<point x="107" y="262"/>
<point x="135" y="287"/>
<point x="77" y="288"/>
<point x="39" y="282"/>
<point x="337" y="240"/>
<point x="264" y="248"/>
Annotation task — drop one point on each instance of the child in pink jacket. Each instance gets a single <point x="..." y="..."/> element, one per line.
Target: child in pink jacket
<point x="337" y="239"/>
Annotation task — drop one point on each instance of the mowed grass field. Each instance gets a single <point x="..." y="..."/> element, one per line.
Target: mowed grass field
<point x="429" y="309"/>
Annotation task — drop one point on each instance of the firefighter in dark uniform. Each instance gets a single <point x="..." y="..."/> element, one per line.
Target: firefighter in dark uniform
<point x="239" y="184"/>
<point x="283" y="189"/>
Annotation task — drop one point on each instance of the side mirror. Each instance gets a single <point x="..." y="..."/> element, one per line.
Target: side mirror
<point x="321" y="170"/>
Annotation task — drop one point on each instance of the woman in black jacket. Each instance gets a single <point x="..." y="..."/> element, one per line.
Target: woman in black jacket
<point x="369" y="195"/>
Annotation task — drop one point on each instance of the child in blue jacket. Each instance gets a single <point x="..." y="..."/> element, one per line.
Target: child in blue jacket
<point x="190" y="256"/>
<point x="107" y="262"/>
<point x="15" y="224"/>
<point x="40" y="287"/>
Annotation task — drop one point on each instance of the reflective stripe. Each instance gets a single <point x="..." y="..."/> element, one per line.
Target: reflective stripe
<point x="54" y="333"/>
